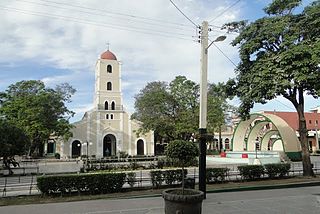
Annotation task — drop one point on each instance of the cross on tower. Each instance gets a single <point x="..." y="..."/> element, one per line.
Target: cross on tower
<point x="108" y="45"/>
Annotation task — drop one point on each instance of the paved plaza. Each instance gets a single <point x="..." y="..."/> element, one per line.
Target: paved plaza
<point x="303" y="200"/>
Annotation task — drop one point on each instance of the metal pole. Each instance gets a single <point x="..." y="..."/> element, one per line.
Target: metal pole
<point x="317" y="137"/>
<point x="87" y="154"/>
<point x="256" y="150"/>
<point x="203" y="107"/>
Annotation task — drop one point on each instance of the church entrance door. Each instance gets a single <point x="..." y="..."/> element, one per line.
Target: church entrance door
<point x="140" y="147"/>
<point x="109" y="145"/>
<point x="75" y="149"/>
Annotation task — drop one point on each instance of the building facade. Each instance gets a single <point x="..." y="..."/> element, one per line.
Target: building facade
<point x="107" y="129"/>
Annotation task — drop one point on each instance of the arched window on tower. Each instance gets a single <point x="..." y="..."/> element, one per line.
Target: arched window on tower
<point x="109" y="69"/>
<point x="106" y="105"/>
<point x="113" y="105"/>
<point x="109" y="86"/>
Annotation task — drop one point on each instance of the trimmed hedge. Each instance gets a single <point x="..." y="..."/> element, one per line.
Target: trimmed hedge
<point x="277" y="170"/>
<point x="131" y="179"/>
<point x="168" y="176"/>
<point x="251" y="172"/>
<point x="83" y="183"/>
<point x="216" y="174"/>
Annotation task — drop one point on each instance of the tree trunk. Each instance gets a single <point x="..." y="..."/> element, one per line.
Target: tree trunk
<point x="182" y="180"/>
<point x="306" y="162"/>
<point x="220" y="140"/>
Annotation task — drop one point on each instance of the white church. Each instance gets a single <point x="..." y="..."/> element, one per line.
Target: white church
<point x="107" y="129"/>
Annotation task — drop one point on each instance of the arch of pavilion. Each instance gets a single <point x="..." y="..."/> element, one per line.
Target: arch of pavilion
<point x="270" y="132"/>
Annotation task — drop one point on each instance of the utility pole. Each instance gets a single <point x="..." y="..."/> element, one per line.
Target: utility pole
<point x="204" y="103"/>
<point x="203" y="107"/>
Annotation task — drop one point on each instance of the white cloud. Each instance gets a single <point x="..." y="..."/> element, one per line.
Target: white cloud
<point x="48" y="37"/>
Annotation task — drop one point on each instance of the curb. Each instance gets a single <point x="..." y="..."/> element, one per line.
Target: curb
<point x="264" y="187"/>
<point x="238" y="189"/>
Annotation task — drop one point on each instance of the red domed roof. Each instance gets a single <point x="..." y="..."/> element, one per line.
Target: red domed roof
<point x="108" y="55"/>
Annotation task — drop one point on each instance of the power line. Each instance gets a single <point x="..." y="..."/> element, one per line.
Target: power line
<point x="104" y="15"/>
<point x="236" y="2"/>
<point x="284" y="104"/>
<point x="225" y="55"/>
<point x="89" y="22"/>
<point x="183" y="13"/>
<point x="110" y="12"/>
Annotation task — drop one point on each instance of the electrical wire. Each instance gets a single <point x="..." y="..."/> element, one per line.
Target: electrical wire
<point x="111" y="12"/>
<point x="225" y="55"/>
<point x="236" y="2"/>
<point x="284" y="104"/>
<point x="89" y="22"/>
<point x="183" y="14"/>
<point x="104" y="14"/>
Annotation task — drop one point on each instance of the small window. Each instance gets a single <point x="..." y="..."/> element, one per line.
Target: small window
<point x="316" y="122"/>
<point x="109" y="86"/>
<point x="106" y="105"/>
<point x="113" y="106"/>
<point x="107" y="116"/>
<point x="109" y="69"/>
<point x="310" y="121"/>
<point x="111" y="116"/>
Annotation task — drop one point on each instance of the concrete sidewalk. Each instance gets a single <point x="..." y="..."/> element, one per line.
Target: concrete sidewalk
<point x="303" y="200"/>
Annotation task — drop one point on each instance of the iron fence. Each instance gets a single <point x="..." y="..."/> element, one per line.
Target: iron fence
<point x="27" y="184"/>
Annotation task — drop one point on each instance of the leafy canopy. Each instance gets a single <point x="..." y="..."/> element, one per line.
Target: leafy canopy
<point x="172" y="110"/>
<point x="280" y="55"/>
<point x="182" y="151"/>
<point x="37" y="110"/>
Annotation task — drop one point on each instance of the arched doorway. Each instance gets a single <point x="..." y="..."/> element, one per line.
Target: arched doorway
<point x="140" y="147"/>
<point x="75" y="149"/>
<point x="227" y="144"/>
<point x="109" y="145"/>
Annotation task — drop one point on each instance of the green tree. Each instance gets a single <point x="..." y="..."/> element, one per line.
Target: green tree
<point x="280" y="56"/>
<point x="168" y="109"/>
<point x="182" y="151"/>
<point x="38" y="111"/>
<point x="154" y="107"/>
<point x="185" y="95"/>
<point x="12" y="142"/>
<point x="172" y="110"/>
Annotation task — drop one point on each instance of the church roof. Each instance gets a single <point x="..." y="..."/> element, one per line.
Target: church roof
<point x="108" y="55"/>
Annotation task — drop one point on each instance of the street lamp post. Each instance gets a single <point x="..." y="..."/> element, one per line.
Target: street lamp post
<point x="317" y="137"/>
<point x="256" y="144"/>
<point x="87" y="145"/>
<point x="203" y="103"/>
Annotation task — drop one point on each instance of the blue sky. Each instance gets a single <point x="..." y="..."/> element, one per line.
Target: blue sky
<point x="59" y="41"/>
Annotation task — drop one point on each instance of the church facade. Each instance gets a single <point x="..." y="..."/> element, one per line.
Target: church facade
<point x="107" y="129"/>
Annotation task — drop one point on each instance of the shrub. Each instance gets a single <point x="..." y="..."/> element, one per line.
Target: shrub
<point x="92" y="183"/>
<point x="277" y="170"/>
<point x="173" y="176"/>
<point x="156" y="178"/>
<point x="160" y="163"/>
<point x="134" y="165"/>
<point x="182" y="152"/>
<point x="213" y="152"/>
<point x="131" y="179"/>
<point x="251" y="172"/>
<point x="123" y="154"/>
<point x="216" y="174"/>
<point x="168" y="176"/>
<point x="57" y="155"/>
